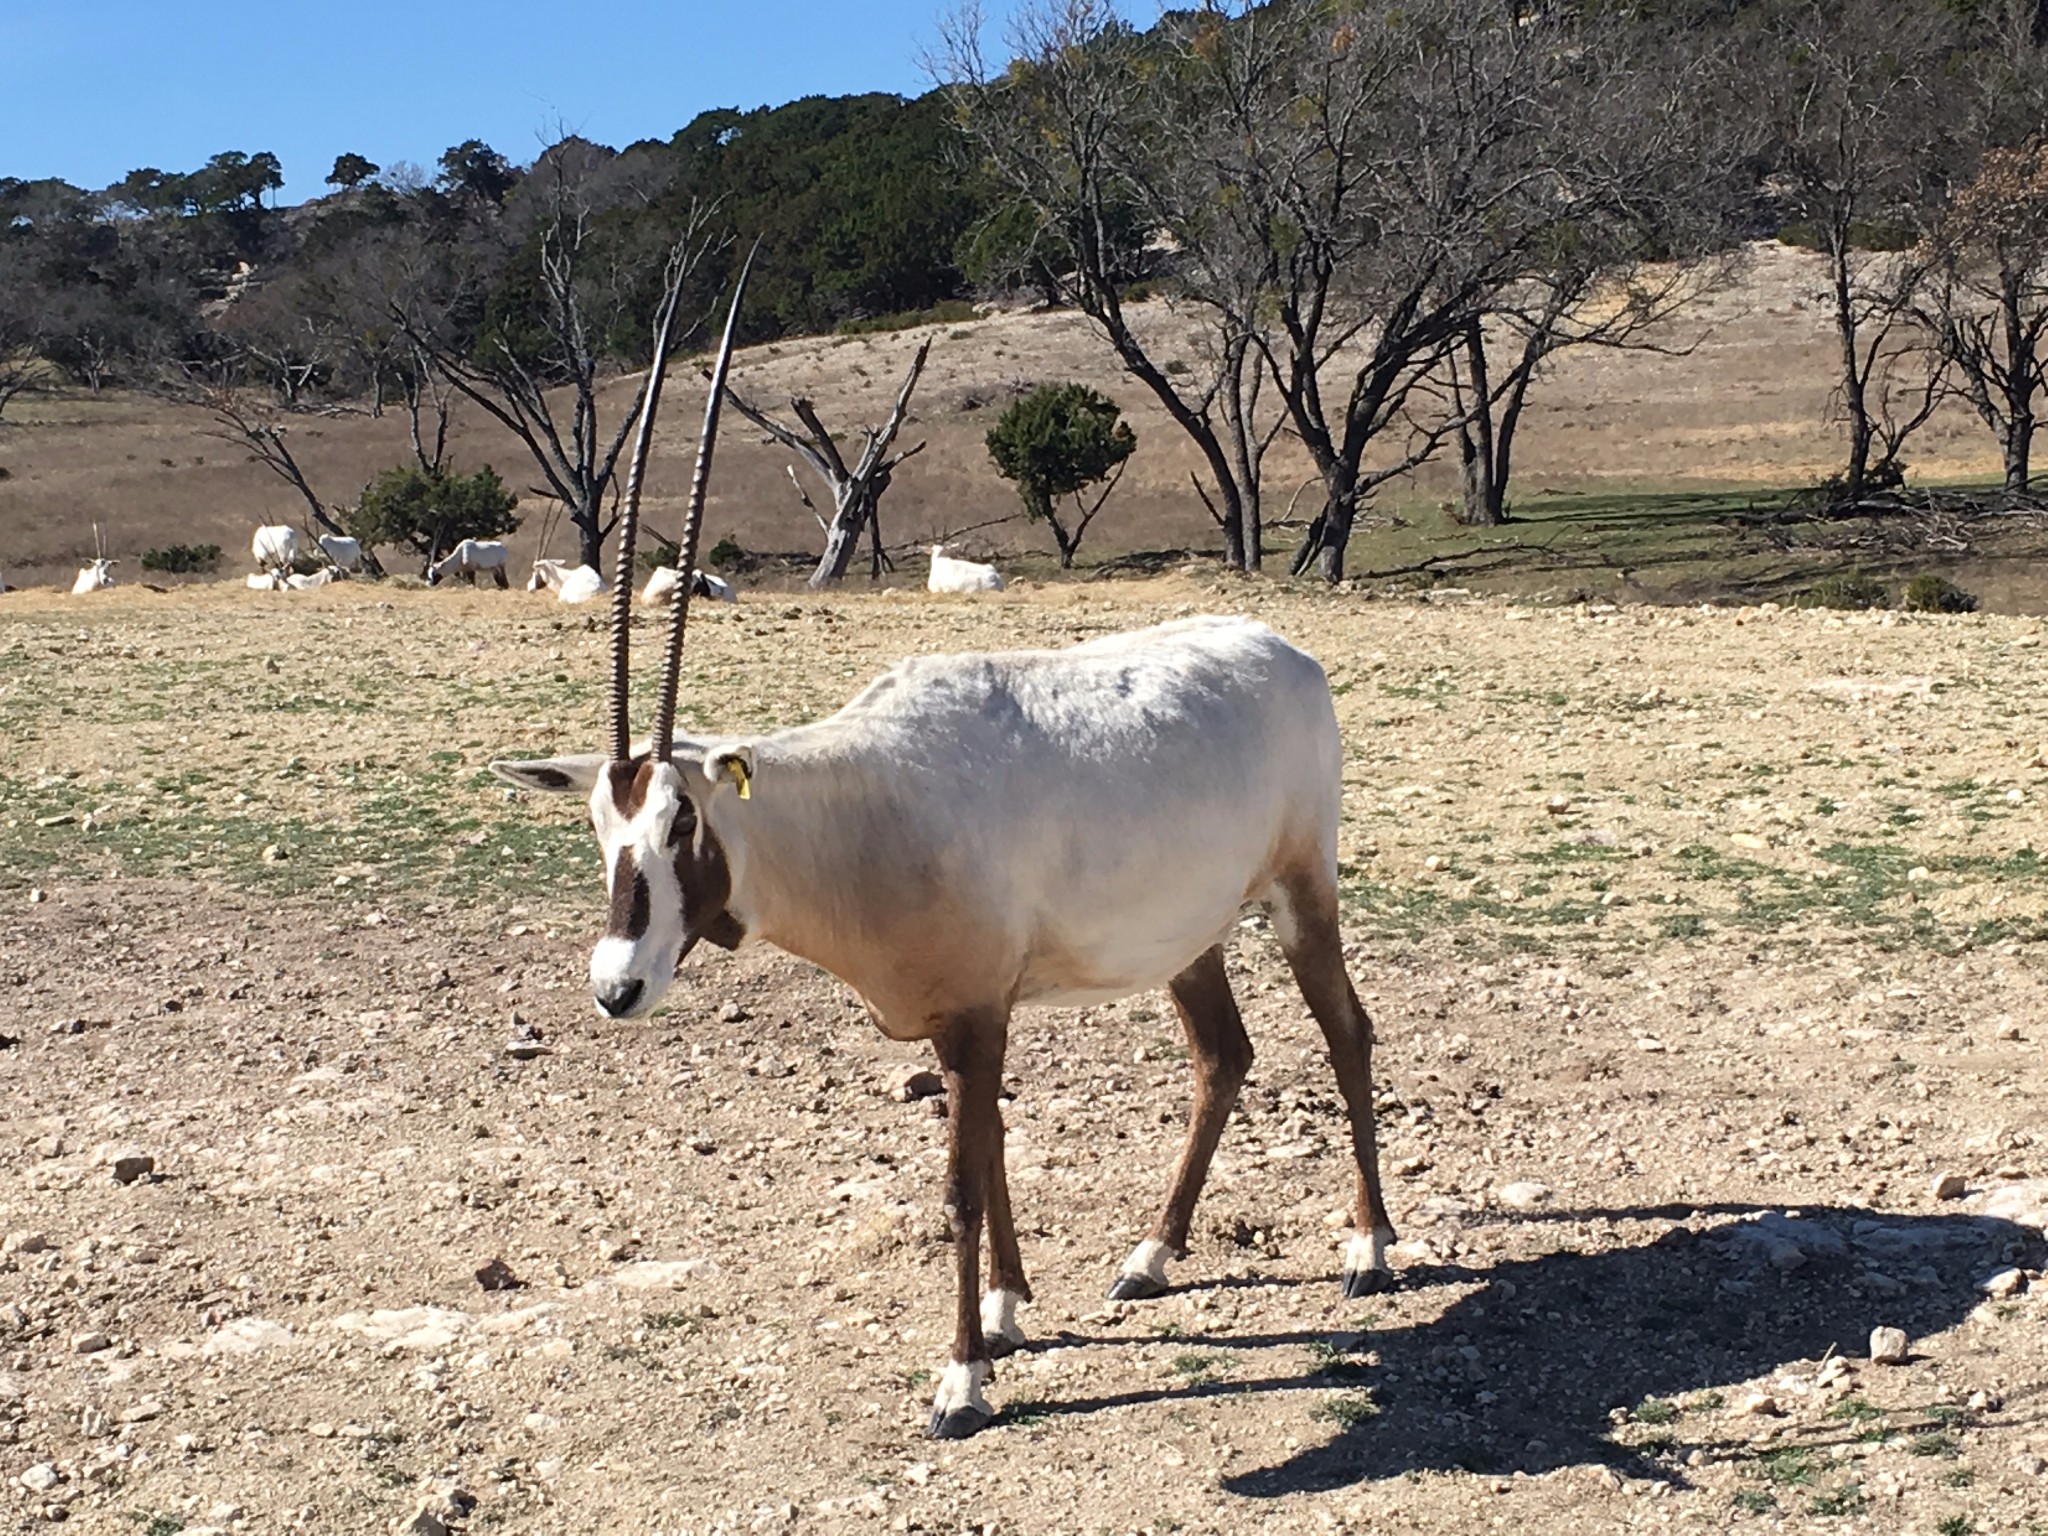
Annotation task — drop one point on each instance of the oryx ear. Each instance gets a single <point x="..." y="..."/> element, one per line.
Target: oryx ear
<point x="553" y="775"/>
<point x="734" y="765"/>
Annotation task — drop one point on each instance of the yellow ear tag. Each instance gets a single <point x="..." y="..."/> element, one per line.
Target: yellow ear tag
<point x="740" y="777"/>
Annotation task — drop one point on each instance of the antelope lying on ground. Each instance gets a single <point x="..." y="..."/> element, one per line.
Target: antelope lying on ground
<point x="469" y="559"/>
<point x="570" y="583"/>
<point x="95" y="577"/>
<point x="976" y="832"/>
<point x="264" y="581"/>
<point x="275" y="547"/>
<point x="320" y="578"/>
<point x="661" y="586"/>
<point x="950" y="575"/>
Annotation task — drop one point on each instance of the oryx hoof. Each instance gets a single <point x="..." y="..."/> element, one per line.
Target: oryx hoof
<point x="1367" y="1282"/>
<point x="1000" y="1346"/>
<point x="957" y="1423"/>
<point x="1135" y="1288"/>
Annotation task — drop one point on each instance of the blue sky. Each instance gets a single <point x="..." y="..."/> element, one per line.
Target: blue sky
<point x="95" y="88"/>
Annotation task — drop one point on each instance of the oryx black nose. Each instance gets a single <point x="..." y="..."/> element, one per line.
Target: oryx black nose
<point x="619" y="998"/>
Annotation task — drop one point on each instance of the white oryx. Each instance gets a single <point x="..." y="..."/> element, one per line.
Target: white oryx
<point x="950" y="575"/>
<point x="346" y="554"/>
<point x="264" y="581"/>
<point x="275" y="547"/>
<point x="976" y="832"/>
<point x="320" y="578"/>
<point x="470" y="559"/>
<point x="661" y="586"/>
<point x="570" y="583"/>
<point x="96" y="576"/>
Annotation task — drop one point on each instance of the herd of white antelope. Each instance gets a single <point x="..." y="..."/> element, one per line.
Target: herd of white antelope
<point x="279" y="551"/>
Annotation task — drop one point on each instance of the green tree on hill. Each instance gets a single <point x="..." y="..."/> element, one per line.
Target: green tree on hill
<point x="1057" y="441"/>
<point x="431" y="513"/>
<point x="351" y="171"/>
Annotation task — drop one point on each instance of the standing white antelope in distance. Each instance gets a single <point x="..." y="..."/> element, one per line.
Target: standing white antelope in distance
<point x="977" y="832"/>
<point x="275" y="547"/>
<point x="469" y="559"/>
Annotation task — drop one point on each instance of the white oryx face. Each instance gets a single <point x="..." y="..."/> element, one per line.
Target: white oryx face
<point x="665" y="869"/>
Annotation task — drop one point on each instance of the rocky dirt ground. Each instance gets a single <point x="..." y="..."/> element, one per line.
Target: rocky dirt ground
<point x="1705" y="951"/>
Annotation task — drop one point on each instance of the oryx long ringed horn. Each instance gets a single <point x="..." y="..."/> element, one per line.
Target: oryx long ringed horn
<point x="693" y="520"/>
<point x="629" y="519"/>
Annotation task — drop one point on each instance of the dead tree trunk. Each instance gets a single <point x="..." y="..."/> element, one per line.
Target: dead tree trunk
<point x="856" y="490"/>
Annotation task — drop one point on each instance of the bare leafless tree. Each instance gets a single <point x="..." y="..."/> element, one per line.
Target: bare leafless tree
<point x="586" y="284"/>
<point x="21" y="331"/>
<point x="1985" y="298"/>
<point x="1072" y="131"/>
<point x="1855" y="97"/>
<point x="257" y="426"/>
<point x="1337" y="193"/>
<point x="856" y="489"/>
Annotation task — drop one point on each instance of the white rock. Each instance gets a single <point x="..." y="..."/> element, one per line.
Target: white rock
<point x="2025" y="1203"/>
<point x="41" y="1478"/>
<point x="25" y="1242"/>
<point x="2027" y="1464"/>
<point x="1758" y="1405"/>
<point x="1890" y="1346"/>
<point x="2007" y="1282"/>
<point x="1523" y="1195"/>
<point x="1950" y="1186"/>
<point x="245" y="1336"/>
<point x="658" y="1274"/>
<point x="90" y="1342"/>
<point x="423" y="1330"/>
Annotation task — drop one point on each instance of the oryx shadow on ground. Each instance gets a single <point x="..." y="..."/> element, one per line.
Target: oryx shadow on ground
<point x="1523" y="1374"/>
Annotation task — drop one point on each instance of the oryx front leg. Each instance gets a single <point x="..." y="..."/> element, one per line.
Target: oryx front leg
<point x="1222" y="1054"/>
<point x="1305" y="921"/>
<point x="970" y="1049"/>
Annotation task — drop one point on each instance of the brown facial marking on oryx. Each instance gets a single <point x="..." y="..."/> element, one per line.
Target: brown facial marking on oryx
<point x="629" y="785"/>
<point x="706" y="883"/>
<point x="631" y="910"/>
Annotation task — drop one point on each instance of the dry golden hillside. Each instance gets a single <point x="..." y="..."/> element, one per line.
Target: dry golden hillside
<point x="1746" y="409"/>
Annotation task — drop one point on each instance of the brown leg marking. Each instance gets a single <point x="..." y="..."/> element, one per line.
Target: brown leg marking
<point x="1005" y="1261"/>
<point x="970" y="1049"/>
<point x="1315" y="952"/>
<point x="1222" y="1054"/>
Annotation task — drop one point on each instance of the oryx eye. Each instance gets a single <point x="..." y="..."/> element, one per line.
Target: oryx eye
<point x="683" y="825"/>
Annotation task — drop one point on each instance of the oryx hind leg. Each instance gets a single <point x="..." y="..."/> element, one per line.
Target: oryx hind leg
<point x="1221" y="1053"/>
<point x="1007" y="1287"/>
<point x="1304" y="911"/>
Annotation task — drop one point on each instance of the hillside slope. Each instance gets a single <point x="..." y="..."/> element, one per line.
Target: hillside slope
<point x="1747" y="407"/>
